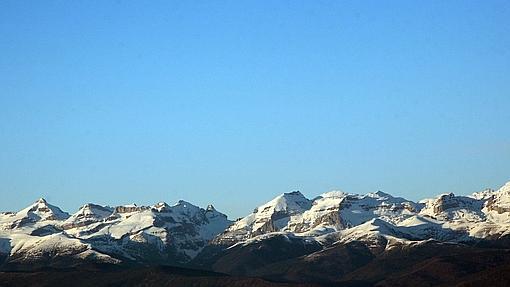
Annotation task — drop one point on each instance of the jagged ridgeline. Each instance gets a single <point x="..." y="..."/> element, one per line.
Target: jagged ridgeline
<point x="290" y="228"/>
<point x="158" y="234"/>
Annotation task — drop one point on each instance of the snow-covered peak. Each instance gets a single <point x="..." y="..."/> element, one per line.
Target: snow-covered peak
<point x="161" y="206"/>
<point x="184" y="207"/>
<point x="379" y="194"/>
<point x="333" y="194"/>
<point x="269" y="217"/>
<point x="41" y="210"/>
<point x="87" y="214"/>
<point x="500" y="200"/>
<point x="484" y="194"/>
<point x="505" y="188"/>
<point x="94" y="209"/>
<point x="41" y="200"/>
<point x="290" y="202"/>
<point x="322" y="216"/>
<point x="447" y="206"/>
<point x="357" y="209"/>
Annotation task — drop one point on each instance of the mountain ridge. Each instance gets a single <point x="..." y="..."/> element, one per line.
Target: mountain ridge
<point x="289" y="228"/>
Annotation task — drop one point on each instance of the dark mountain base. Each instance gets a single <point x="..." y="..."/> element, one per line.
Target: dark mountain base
<point x="150" y="276"/>
<point x="262" y="264"/>
<point x="364" y="264"/>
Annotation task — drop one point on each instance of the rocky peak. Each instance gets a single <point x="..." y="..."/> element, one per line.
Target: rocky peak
<point x="444" y="202"/>
<point x="500" y="200"/>
<point x="484" y="194"/>
<point x="186" y="208"/>
<point x="88" y="214"/>
<point x="210" y="207"/>
<point x="448" y="206"/>
<point x="39" y="211"/>
<point x="269" y="217"/>
<point x="290" y="202"/>
<point x="212" y="214"/>
<point x="379" y="194"/>
<point x="41" y="200"/>
<point x="42" y="210"/>
<point x="324" y="213"/>
<point x="161" y="207"/>
<point x="130" y="208"/>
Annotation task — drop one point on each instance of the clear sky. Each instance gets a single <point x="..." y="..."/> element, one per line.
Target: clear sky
<point x="235" y="102"/>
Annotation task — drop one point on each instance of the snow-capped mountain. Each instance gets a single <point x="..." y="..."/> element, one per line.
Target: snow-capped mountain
<point x="339" y="232"/>
<point x="329" y="212"/>
<point x="38" y="212"/>
<point x="44" y="233"/>
<point x="270" y="217"/>
<point x="378" y="219"/>
<point x="184" y="234"/>
<point x="33" y="237"/>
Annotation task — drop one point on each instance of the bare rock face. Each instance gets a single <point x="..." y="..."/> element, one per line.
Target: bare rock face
<point x="330" y="219"/>
<point x="266" y="227"/>
<point x="130" y="208"/>
<point x="445" y="202"/>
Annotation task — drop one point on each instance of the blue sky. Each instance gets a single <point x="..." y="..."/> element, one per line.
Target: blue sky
<point x="234" y="102"/>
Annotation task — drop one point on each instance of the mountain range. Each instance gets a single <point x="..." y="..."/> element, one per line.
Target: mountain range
<point x="336" y="238"/>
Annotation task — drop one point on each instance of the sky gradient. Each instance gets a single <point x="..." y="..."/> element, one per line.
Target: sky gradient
<point x="235" y="102"/>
